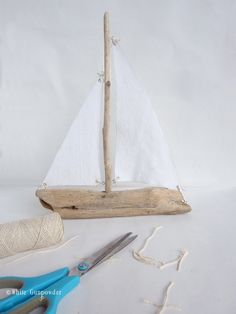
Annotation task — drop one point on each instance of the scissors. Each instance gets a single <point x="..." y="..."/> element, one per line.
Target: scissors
<point x="47" y="290"/>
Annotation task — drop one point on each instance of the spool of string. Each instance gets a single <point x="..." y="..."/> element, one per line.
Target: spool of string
<point x="29" y="234"/>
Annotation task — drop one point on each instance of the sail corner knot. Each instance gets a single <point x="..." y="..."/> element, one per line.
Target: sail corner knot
<point x="115" y="41"/>
<point x="101" y="76"/>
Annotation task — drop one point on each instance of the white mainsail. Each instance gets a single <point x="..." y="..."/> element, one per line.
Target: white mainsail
<point x="78" y="161"/>
<point x="142" y="154"/>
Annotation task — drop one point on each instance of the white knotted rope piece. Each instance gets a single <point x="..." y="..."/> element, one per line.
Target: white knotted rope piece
<point x="162" y="307"/>
<point x="138" y="255"/>
<point x="29" y="234"/>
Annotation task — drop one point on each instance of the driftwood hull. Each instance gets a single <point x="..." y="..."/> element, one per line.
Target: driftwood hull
<point x="72" y="202"/>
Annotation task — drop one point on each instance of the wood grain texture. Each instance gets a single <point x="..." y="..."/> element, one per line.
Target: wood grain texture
<point x="107" y="105"/>
<point x="83" y="203"/>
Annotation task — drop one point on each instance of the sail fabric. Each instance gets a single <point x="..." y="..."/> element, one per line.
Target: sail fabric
<point x="142" y="154"/>
<point x="78" y="161"/>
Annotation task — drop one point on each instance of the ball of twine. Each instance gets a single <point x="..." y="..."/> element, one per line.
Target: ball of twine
<point x="29" y="234"/>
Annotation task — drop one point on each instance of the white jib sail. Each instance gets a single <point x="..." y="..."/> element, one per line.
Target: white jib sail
<point x="142" y="154"/>
<point x="78" y="161"/>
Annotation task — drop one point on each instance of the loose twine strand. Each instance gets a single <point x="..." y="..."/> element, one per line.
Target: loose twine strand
<point x="138" y="254"/>
<point x="162" y="307"/>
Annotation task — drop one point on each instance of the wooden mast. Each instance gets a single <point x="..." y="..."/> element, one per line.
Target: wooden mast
<point x="107" y="105"/>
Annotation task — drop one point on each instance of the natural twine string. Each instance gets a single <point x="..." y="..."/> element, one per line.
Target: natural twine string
<point x="6" y="261"/>
<point x="138" y="255"/>
<point x="28" y="234"/>
<point x="162" y="307"/>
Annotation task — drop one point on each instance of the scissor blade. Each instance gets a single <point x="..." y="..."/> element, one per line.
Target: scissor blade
<point x="103" y="254"/>
<point x="123" y="244"/>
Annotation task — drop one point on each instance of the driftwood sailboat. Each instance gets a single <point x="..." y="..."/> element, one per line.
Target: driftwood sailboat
<point x="114" y="160"/>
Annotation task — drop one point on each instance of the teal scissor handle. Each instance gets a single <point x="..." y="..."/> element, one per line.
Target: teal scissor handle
<point x="27" y="286"/>
<point x="49" y="298"/>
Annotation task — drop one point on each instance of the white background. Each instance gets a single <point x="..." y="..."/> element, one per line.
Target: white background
<point x="182" y="51"/>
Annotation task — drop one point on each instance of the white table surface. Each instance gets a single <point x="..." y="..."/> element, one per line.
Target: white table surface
<point x="206" y="283"/>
